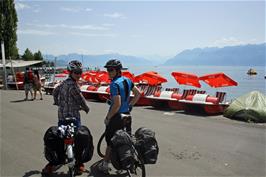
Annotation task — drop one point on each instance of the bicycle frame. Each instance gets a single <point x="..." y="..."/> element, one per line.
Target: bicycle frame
<point x="67" y="132"/>
<point x="138" y="159"/>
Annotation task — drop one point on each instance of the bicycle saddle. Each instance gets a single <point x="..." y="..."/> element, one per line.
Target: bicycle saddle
<point x="125" y="116"/>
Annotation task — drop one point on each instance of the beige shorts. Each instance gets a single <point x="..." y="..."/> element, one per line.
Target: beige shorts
<point x="28" y="87"/>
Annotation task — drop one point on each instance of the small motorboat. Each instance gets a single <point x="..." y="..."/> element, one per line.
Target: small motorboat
<point x="252" y="71"/>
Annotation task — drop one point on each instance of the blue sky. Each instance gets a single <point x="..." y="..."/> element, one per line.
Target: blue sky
<point x="148" y="29"/>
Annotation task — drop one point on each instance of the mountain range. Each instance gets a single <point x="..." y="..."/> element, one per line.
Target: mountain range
<point x="98" y="60"/>
<point x="242" y="55"/>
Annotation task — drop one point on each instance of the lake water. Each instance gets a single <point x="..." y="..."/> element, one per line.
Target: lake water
<point x="245" y="82"/>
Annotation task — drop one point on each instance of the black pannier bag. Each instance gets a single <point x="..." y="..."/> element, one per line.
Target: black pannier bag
<point x="83" y="148"/>
<point x="53" y="146"/>
<point x="146" y="145"/>
<point x="122" y="152"/>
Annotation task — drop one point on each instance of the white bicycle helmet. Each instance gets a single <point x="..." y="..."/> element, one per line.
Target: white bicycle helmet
<point x="74" y="65"/>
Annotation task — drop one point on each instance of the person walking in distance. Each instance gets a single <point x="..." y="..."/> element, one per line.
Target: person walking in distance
<point x="37" y="84"/>
<point x="28" y="81"/>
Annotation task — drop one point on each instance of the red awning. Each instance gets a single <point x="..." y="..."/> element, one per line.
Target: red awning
<point x="95" y="77"/>
<point x="183" y="78"/>
<point x="61" y="75"/>
<point x="129" y="75"/>
<point x="103" y="77"/>
<point x="150" y="78"/>
<point x="65" y="71"/>
<point x="218" y="80"/>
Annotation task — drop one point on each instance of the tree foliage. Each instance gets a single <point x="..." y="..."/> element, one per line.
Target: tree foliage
<point x="38" y="56"/>
<point x="48" y="63"/>
<point x="8" y="28"/>
<point x="28" y="55"/>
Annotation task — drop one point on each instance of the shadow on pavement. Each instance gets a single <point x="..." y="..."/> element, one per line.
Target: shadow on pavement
<point x="96" y="173"/>
<point x="159" y="108"/>
<point x="31" y="173"/>
<point x="18" y="101"/>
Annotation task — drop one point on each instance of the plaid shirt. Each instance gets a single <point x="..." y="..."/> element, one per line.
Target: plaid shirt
<point x="68" y="98"/>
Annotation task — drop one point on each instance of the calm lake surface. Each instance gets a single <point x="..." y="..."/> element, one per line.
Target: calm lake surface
<point x="245" y="82"/>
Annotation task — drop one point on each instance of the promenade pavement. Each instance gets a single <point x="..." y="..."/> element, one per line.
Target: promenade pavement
<point x="190" y="145"/>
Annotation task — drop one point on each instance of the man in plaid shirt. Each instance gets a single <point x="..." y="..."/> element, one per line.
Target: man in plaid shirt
<point x="68" y="97"/>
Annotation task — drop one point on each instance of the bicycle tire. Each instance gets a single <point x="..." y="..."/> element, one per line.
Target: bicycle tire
<point x="99" y="145"/>
<point x="139" y="165"/>
<point x="142" y="167"/>
<point x="71" y="171"/>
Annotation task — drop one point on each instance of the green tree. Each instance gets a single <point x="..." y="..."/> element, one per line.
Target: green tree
<point x="8" y="28"/>
<point x="38" y="56"/>
<point x="28" y="55"/>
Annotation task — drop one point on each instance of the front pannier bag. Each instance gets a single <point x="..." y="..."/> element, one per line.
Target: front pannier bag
<point x="53" y="146"/>
<point x="83" y="148"/>
<point x="146" y="145"/>
<point x="122" y="152"/>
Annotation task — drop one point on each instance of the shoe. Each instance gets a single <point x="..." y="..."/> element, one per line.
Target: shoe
<point x="80" y="168"/>
<point x="103" y="167"/>
<point x="48" y="169"/>
<point x="41" y="99"/>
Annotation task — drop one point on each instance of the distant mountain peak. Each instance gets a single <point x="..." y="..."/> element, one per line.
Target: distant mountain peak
<point x="241" y="55"/>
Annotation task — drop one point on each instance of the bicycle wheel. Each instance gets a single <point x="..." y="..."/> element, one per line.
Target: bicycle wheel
<point x="139" y="168"/>
<point x="71" y="171"/>
<point x="100" y="147"/>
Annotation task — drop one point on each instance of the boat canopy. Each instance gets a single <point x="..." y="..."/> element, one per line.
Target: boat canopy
<point x="96" y="77"/>
<point x="218" y="80"/>
<point x="150" y="78"/>
<point x="129" y="75"/>
<point x="184" y="78"/>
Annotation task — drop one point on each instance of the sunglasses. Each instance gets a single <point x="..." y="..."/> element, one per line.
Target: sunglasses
<point x="78" y="71"/>
<point x="110" y="69"/>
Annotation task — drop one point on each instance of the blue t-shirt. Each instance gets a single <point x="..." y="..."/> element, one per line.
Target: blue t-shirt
<point x="121" y="86"/>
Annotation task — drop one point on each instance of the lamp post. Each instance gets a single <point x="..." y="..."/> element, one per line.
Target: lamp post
<point x="3" y="51"/>
<point x="4" y="64"/>
<point x="54" y="69"/>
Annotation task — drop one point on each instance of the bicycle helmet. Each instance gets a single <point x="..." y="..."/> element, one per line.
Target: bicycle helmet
<point x="74" y="65"/>
<point x="114" y="63"/>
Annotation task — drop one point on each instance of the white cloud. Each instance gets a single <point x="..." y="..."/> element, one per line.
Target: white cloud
<point x="80" y="27"/>
<point x="36" y="32"/>
<point x="115" y="15"/>
<point x="88" y="9"/>
<point x="21" y="6"/>
<point x="92" y="34"/>
<point x="108" y="51"/>
<point x="232" y="41"/>
<point x="83" y="51"/>
<point x="136" y="36"/>
<point x="75" y="10"/>
<point x="67" y="9"/>
<point x="108" y="24"/>
<point x="36" y="10"/>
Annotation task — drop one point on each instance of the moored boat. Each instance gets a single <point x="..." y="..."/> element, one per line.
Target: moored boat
<point x="252" y="71"/>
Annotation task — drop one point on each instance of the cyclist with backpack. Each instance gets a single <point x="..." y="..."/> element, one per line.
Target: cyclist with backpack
<point x="120" y="89"/>
<point x="28" y="83"/>
<point x="68" y="98"/>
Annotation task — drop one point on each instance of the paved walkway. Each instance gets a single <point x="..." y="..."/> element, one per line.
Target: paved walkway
<point x="189" y="145"/>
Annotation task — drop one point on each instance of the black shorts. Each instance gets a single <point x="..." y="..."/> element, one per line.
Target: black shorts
<point x="116" y="123"/>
